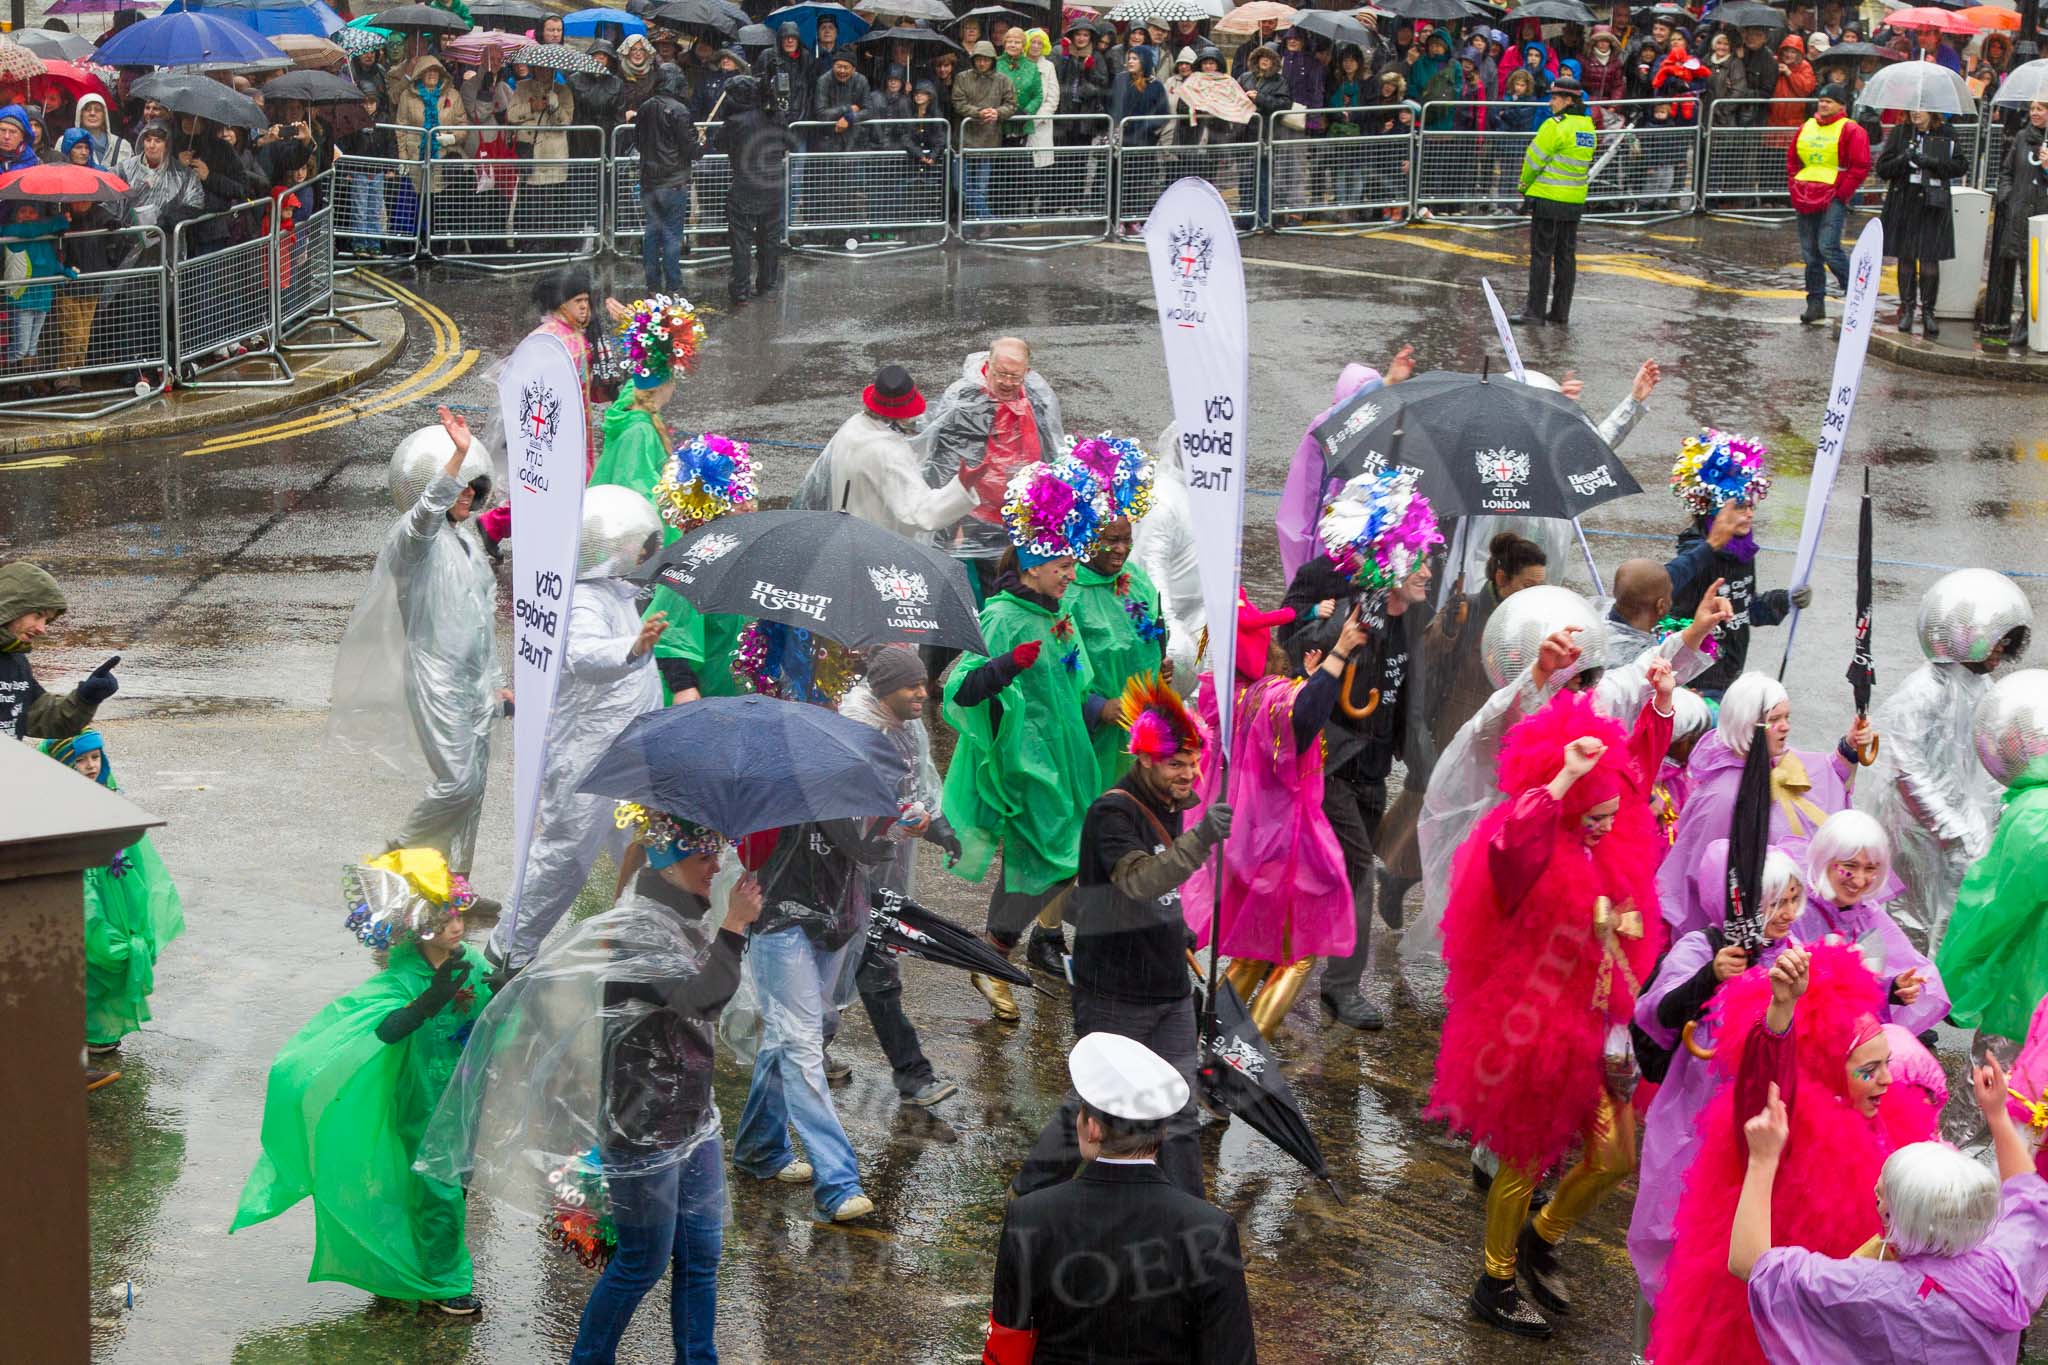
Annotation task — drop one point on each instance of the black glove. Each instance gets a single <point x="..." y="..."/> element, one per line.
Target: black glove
<point x="404" y="1021"/>
<point x="676" y="674"/>
<point x="1801" y="596"/>
<point x="1214" y="826"/>
<point x="99" y="684"/>
<point x="941" y="833"/>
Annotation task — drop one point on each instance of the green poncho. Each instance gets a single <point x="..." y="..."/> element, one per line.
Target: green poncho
<point x="342" y="1119"/>
<point x="1125" y="635"/>
<point x="1994" y="958"/>
<point x="635" y="454"/>
<point x="1022" y="777"/>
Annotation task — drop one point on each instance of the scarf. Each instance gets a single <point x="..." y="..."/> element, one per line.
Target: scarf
<point x="636" y="57"/>
<point x="1789" y="785"/>
<point x="1012" y="444"/>
<point x="1742" y="547"/>
<point x="430" y="107"/>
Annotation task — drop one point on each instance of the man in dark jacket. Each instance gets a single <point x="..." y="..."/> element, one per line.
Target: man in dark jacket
<point x="1118" y="1265"/>
<point x="1721" y="547"/>
<point x="786" y="76"/>
<point x="758" y="146"/>
<point x="29" y="601"/>
<point x="666" y="136"/>
<point x="1129" y="967"/>
<point x="1760" y="73"/>
<point x="600" y="99"/>
<point x="841" y="98"/>
<point x="1085" y="77"/>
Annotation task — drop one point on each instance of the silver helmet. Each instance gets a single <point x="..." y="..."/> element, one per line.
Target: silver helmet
<point x="1966" y="613"/>
<point x="617" y="524"/>
<point x="2011" y="728"/>
<point x="422" y="455"/>
<point x="1518" y="625"/>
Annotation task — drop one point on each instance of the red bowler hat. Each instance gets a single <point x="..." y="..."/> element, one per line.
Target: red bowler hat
<point x="892" y="396"/>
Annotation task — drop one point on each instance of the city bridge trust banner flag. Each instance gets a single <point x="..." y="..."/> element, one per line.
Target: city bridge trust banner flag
<point x="541" y="404"/>
<point x="1198" y="280"/>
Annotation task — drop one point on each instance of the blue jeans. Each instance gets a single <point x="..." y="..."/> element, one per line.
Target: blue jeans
<point x="366" y="206"/>
<point x="795" y="980"/>
<point x="1820" y="245"/>
<point x="672" y="1216"/>
<point x="661" y="243"/>
<point x="977" y="173"/>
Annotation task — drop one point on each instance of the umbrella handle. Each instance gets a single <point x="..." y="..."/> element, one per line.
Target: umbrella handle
<point x="1867" y="754"/>
<point x="1344" y="702"/>
<point x="1705" y="1054"/>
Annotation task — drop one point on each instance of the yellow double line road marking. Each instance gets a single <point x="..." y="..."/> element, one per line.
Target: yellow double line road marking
<point x="448" y="363"/>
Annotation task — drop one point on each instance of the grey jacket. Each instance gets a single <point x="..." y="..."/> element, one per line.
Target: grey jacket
<point x="955" y="437"/>
<point x="975" y="90"/>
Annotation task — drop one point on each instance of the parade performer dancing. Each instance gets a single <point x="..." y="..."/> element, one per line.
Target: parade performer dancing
<point x="1835" y="1074"/>
<point x="1551" y="928"/>
<point x="432" y="602"/>
<point x="1113" y="604"/>
<point x="350" y="1095"/>
<point x="1927" y="788"/>
<point x="1848" y="866"/>
<point x="1716" y="469"/>
<point x="1024" y="770"/>
<point x="132" y="912"/>
<point x="607" y="679"/>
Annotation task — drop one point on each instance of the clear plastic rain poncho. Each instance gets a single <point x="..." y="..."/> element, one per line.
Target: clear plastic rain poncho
<point x="1163" y="544"/>
<point x="1464" y="785"/>
<point x="594" y="1061"/>
<point x="416" y="676"/>
<point x="603" y="686"/>
<point x="954" y="439"/>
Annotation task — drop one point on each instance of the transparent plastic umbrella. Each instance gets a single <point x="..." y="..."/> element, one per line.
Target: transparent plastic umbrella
<point x="2024" y="84"/>
<point x="1928" y="86"/>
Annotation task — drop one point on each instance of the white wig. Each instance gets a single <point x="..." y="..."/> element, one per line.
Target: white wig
<point x="1779" y="872"/>
<point x="1748" y="700"/>
<point x="1845" y="834"/>
<point x="1941" y="1202"/>
<point x="1690" y="714"/>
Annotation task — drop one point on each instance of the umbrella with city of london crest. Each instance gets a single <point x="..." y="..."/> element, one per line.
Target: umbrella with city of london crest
<point x="1479" y="445"/>
<point x="825" y="572"/>
<point x="1238" y="1073"/>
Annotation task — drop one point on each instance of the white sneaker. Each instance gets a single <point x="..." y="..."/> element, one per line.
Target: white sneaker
<point x="795" y="1173"/>
<point x="854" y="1206"/>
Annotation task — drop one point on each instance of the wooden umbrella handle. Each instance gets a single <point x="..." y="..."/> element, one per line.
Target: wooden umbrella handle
<point x="1344" y="702"/>
<point x="1867" y="754"/>
<point x="1705" y="1054"/>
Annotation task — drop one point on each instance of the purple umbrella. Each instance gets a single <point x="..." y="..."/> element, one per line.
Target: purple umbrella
<point x="99" y="6"/>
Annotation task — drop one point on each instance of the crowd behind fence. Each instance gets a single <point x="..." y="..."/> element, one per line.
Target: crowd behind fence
<point x="200" y="305"/>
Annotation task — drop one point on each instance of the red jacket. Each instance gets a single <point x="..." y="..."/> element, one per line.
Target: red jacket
<point x="1811" y="196"/>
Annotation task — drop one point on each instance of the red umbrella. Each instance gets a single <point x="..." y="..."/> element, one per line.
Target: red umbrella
<point x="74" y="79"/>
<point x="60" y="182"/>
<point x="1927" y="16"/>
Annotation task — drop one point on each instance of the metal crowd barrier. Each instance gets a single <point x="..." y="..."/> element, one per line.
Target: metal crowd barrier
<point x="872" y="179"/>
<point x="1475" y="169"/>
<point x="377" y="203"/>
<point x="1997" y="146"/>
<point x="1745" y="175"/>
<point x="224" y="306"/>
<point x="110" y="325"/>
<point x="1644" y="171"/>
<point x="1057" y="195"/>
<point x="1318" y="181"/>
<point x="710" y="181"/>
<point x="1146" y="166"/>
<point x="504" y="213"/>
<point x="303" y="267"/>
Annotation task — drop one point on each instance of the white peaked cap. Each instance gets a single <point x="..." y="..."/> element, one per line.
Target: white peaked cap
<point x="1123" y="1078"/>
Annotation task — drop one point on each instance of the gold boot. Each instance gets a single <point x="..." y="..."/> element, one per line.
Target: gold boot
<point x="1278" y="996"/>
<point x="1244" y="975"/>
<point x="1001" y="1003"/>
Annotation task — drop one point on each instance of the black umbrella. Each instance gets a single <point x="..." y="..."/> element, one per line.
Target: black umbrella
<point x="1856" y="52"/>
<point x="514" y="14"/>
<point x="1557" y="12"/>
<point x="743" y="764"/>
<point x="1670" y="14"/>
<point x="1436" y="11"/>
<point x="557" y="57"/>
<point x="825" y="572"/>
<point x="1862" y="675"/>
<point x="1749" y="839"/>
<point x="419" y="19"/>
<point x="904" y="926"/>
<point x="1749" y="14"/>
<point x="907" y="9"/>
<point x="756" y="35"/>
<point x="1479" y="446"/>
<point x="203" y="97"/>
<point x="909" y="33"/>
<point x="312" y="87"/>
<point x="1238" y="1073"/>
<point x="1337" y="28"/>
<point x="697" y="14"/>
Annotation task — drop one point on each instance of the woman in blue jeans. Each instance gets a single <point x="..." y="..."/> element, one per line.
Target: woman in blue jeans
<point x="663" y="1167"/>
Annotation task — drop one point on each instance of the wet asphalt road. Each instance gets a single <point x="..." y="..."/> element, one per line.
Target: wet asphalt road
<point x="225" y="580"/>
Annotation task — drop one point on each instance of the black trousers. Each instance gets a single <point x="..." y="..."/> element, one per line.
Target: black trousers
<point x="1355" y="809"/>
<point x="1010" y="913"/>
<point x="754" y="232"/>
<point x="881" y="995"/>
<point x="1553" y="267"/>
<point x="1168" y="1028"/>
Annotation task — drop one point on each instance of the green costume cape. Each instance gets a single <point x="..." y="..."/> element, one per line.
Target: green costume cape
<point x="1117" y="650"/>
<point x="1994" y="958"/>
<point x="1023" y="779"/>
<point x="132" y="910"/>
<point x="342" y="1120"/>
<point x="635" y="456"/>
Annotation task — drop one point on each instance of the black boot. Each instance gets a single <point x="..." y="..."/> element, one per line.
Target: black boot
<point x="1904" y="320"/>
<point x="1046" y="950"/>
<point x="1930" y="282"/>
<point x="1816" y="311"/>
<point x="1351" y="1008"/>
<point x="1388" y="896"/>
<point x="1495" y="1303"/>
<point x="1536" y="1263"/>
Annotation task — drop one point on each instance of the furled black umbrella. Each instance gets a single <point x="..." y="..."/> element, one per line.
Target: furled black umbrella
<point x="1479" y="446"/>
<point x="1238" y="1073"/>
<point x="1749" y="839"/>
<point x="697" y="14"/>
<point x="1557" y="12"/>
<point x="1749" y="14"/>
<point x="1338" y="28"/>
<point x="908" y="33"/>
<point x="743" y="764"/>
<point x="825" y="572"/>
<point x="187" y="92"/>
<point x="904" y="926"/>
<point x="313" y="87"/>
<point x="419" y="19"/>
<point x="1862" y="675"/>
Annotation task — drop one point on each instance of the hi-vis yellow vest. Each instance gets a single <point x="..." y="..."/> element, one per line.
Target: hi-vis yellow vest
<point x="1820" y="150"/>
<point x="1560" y="159"/>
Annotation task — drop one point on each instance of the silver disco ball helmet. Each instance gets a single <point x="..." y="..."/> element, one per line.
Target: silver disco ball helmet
<point x="1966" y="613"/>
<point x="617" y="523"/>
<point x="1516" y="629"/>
<point x="2011" y="728"/>
<point x="420" y="457"/>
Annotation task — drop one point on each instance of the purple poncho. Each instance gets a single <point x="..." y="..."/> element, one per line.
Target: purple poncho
<point x="1886" y="947"/>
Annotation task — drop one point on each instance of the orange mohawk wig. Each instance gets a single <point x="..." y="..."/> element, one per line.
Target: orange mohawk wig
<point x="1160" y="723"/>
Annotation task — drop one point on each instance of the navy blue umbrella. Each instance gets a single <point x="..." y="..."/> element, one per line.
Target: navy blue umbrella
<point x="267" y="17"/>
<point x="201" y="40"/>
<point x="739" y="765"/>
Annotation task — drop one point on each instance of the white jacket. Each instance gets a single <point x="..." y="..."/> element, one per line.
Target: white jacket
<point x="870" y="470"/>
